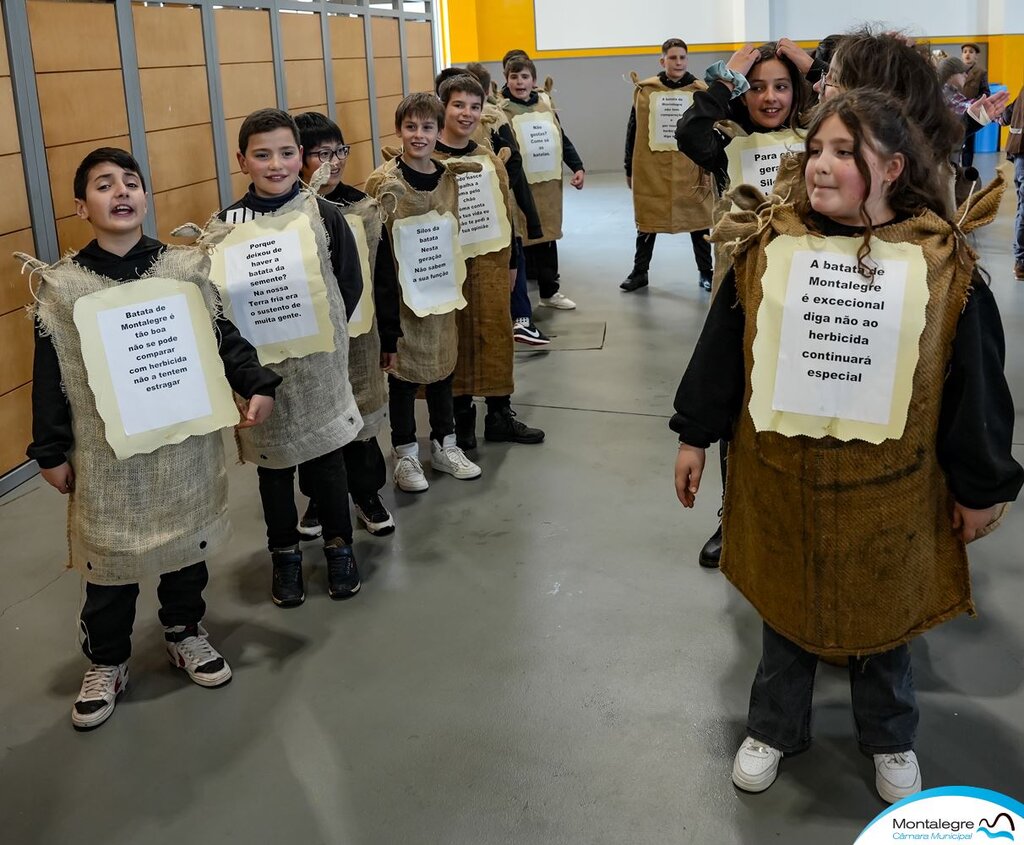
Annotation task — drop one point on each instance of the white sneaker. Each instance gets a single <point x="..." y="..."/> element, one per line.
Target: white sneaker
<point x="897" y="776"/>
<point x="447" y="457"/>
<point x="559" y="300"/>
<point x="408" y="473"/>
<point x="194" y="654"/>
<point x="756" y="765"/>
<point x="101" y="687"/>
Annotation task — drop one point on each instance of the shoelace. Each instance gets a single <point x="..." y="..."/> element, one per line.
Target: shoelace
<point x="198" y="650"/>
<point x="898" y="759"/>
<point x="408" y="464"/>
<point x="98" y="680"/>
<point x="456" y="456"/>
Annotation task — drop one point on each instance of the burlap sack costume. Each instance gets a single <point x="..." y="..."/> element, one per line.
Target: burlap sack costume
<point x="428" y="348"/>
<point x="671" y="194"/>
<point x="315" y="411"/>
<point x="484" y="365"/>
<point x="149" y="513"/>
<point x="547" y="196"/>
<point x="491" y="120"/>
<point x="853" y="551"/>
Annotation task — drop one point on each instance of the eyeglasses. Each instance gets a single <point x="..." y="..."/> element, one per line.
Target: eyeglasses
<point x="326" y="155"/>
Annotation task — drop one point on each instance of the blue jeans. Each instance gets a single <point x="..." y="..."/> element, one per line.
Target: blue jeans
<point x="1018" y="237"/>
<point x="520" y="296"/>
<point x="881" y="688"/>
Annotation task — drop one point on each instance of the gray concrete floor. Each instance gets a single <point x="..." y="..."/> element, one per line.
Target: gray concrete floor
<point x="535" y="656"/>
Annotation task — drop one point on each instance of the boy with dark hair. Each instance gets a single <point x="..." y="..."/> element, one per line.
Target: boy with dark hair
<point x="365" y="468"/>
<point x="428" y="263"/>
<point x="317" y="413"/>
<point x="670" y="193"/>
<point x="539" y="132"/>
<point x="976" y="85"/>
<point x="117" y="531"/>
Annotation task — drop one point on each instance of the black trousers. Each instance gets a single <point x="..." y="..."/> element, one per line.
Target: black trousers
<point x="108" y="615"/>
<point x="542" y="265"/>
<point x="494" y="403"/>
<point x="645" y="251"/>
<point x="325" y="482"/>
<point x="365" y="470"/>
<point x="402" y="405"/>
<point x="967" y="154"/>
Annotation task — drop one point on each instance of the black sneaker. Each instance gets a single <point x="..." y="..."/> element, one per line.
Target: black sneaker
<point x="309" y="526"/>
<point x="711" y="554"/>
<point x="524" y="331"/>
<point x="503" y="427"/>
<point x="465" y="428"/>
<point x="372" y="513"/>
<point x="634" y="282"/>
<point x="287" y="590"/>
<point x="342" y="574"/>
<point x="706" y="281"/>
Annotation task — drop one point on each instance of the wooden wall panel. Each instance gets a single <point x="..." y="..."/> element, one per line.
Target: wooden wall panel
<point x="243" y="36"/>
<point x="168" y="36"/>
<point x="81" y="106"/>
<point x="300" y="36"/>
<point x="304" y="83"/>
<point x="63" y="161"/>
<point x="232" y="127"/>
<point x="354" y="120"/>
<point x="174" y="96"/>
<point x="239" y="185"/>
<point x="16" y="345"/>
<point x="350" y="80"/>
<point x="16" y="424"/>
<point x="360" y="163"/>
<point x="5" y="65"/>
<point x="182" y="156"/>
<point x="247" y="87"/>
<point x="14" y="291"/>
<point x="321" y="108"/>
<point x="14" y="213"/>
<point x="73" y="233"/>
<point x="386" y="107"/>
<point x="193" y="203"/>
<point x="348" y="38"/>
<point x="421" y="74"/>
<point x="73" y="36"/>
<point x="9" y="142"/>
<point x="387" y="77"/>
<point x="418" y="39"/>
<point x="385" y="37"/>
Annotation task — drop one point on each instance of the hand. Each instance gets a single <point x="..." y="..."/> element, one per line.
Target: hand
<point x="796" y="54"/>
<point x="255" y="411"/>
<point x="967" y="522"/>
<point x="577" y="180"/>
<point x="61" y="479"/>
<point x="994" y="104"/>
<point x="629" y="182"/>
<point x="512" y="273"/>
<point x="743" y="60"/>
<point x="388" y="361"/>
<point x="689" y="469"/>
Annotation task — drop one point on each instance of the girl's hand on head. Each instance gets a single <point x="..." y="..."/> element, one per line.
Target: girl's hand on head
<point x="689" y="469"/>
<point x="788" y="49"/>
<point x="967" y="522"/>
<point x="61" y="478"/>
<point x="744" y="59"/>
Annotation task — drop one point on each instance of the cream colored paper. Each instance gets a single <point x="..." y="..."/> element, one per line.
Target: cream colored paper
<point x="361" y="320"/>
<point x="848" y="380"/>
<point x="667" y="107"/>
<point x="431" y="269"/>
<point x="483" y="218"/>
<point x="273" y="290"/>
<point x="151" y="357"/>
<point x="754" y="159"/>
<point x="540" y="143"/>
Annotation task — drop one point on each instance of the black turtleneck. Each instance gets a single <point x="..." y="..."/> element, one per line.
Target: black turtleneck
<point x="687" y="79"/>
<point x="425" y="182"/>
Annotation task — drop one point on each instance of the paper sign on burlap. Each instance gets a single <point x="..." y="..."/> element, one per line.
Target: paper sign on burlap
<point x="151" y="357"/>
<point x="667" y="107"/>
<point x="835" y="351"/>
<point x="754" y="159"/>
<point x="431" y="268"/>
<point x="272" y="287"/>
<point x="361" y="320"/>
<point x="540" y="144"/>
<point x="483" y="218"/>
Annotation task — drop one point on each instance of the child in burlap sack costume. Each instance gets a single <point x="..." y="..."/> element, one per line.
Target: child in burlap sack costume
<point x="670" y="193"/>
<point x="161" y="513"/>
<point x="365" y="468"/>
<point x="519" y="97"/>
<point x="484" y="366"/>
<point x="317" y="415"/>
<point x="407" y="185"/>
<point x="860" y="546"/>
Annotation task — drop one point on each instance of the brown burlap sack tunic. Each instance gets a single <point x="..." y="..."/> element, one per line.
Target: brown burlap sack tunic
<point x="491" y="120"/>
<point x="547" y="196"/>
<point x="315" y="411"/>
<point x="484" y="365"/>
<point x="428" y="348"/>
<point x="847" y="548"/>
<point x="671" y="194"/>
<point x="149" y="513"/>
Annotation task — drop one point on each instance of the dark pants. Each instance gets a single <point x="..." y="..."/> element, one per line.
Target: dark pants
<point x="542" y="265"/>
<point x="881" y="688"/>
<point x="494" y="403"/>
<point x="402" y="405"/>
<point x="967" y="154"/>
<point x="324" y="481"/>
<point x="645" y="251"/>
<point x="520" y="296"/>
<point x="365" y="470"/>
<point x="108" y="615"/>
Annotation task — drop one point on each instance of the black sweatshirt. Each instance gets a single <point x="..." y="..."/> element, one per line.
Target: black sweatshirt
<point x="386" y="295"/>
<point x="975" y="430"/>
<point x="569" y="155"/>
<point x="441" y="147"/>
<point x="52" y="436"/>
<point x="340" y="243"/>
<point x="687" y="79"/>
